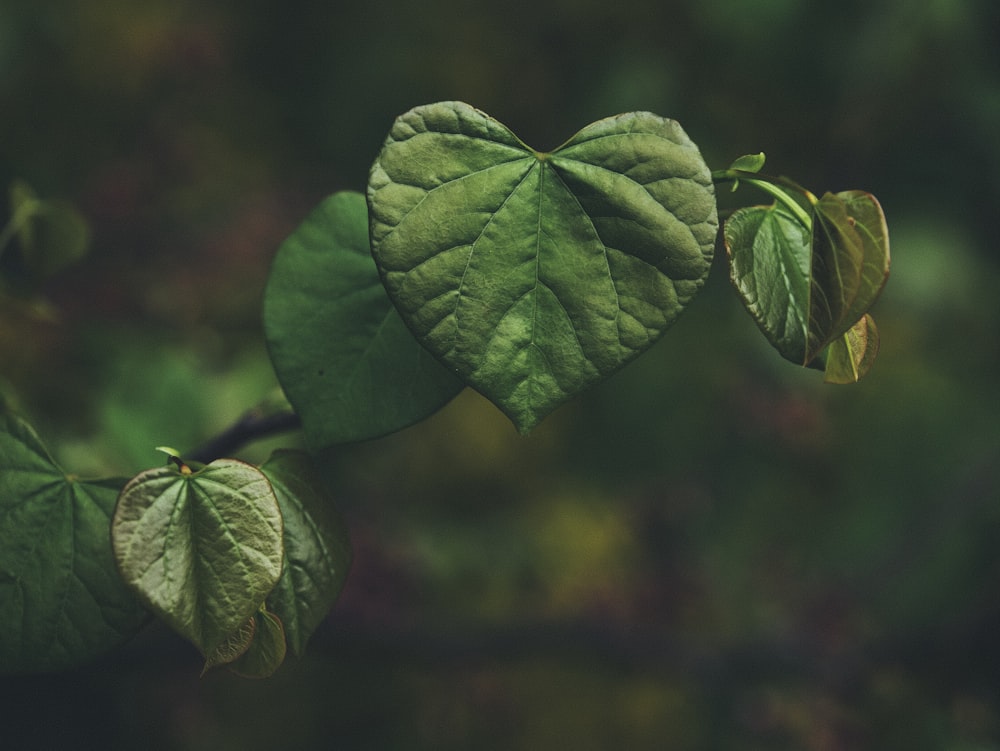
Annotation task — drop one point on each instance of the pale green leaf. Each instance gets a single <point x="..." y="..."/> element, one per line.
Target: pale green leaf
<point x="203" y="549"/>
<point x="232" y="647"/>
<point x="749" y="163"/>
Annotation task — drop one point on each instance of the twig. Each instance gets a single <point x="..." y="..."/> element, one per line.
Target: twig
<point x="252" y="426"/>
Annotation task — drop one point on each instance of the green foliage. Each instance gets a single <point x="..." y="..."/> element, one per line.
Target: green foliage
<point x="202" y="548"/>
<point x="346" y="362"/>
<point x="61" y="600"/>
<point x="809" y="270"/>
<point x="534" y="275"/>
<point x="472" y="260"/>
<point x="266" y="651"/>
<point x="317" y="551"/>
<point x="50" y="234"/>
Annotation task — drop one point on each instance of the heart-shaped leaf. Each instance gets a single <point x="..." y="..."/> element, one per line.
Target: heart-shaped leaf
<point x="62" y="601"/>
<point x="202" y="549"/>
<point x="348" y="365"/>
<point x="317" y="549"/>
<point x="533" y="275"/>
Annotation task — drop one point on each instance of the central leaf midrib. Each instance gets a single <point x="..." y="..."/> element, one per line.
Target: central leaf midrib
<point x="787" y="258"/>
<point x="203" y="573"/>
<point x="607" y="263"/>
<point x="472" y="252"/>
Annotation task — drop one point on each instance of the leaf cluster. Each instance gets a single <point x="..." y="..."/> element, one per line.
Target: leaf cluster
<point x="471" y="260"/>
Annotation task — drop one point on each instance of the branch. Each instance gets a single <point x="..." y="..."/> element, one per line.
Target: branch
<point x="252" y="426"/>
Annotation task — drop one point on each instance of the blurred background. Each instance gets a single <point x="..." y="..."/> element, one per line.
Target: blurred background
<point x="712" y="550"/>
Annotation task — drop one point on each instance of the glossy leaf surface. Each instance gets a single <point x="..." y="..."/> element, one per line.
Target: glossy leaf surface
<point x="534" y="275"/>
<point x="201" y="549"/>
<point x="317" y="550"/>
<point x="346" y="361"/>
<point x="810" y="287"/>
<point x="62" y="601"/>
<point x="769" y="265"/>
<point x="850" y="264"/>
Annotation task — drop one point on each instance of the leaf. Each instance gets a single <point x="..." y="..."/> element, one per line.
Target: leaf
<point x="62" y="602"/>
<point x="346" y="361"/>
<point x="768" y="251"/>
<point x="534" y="275"/>
<point x="233" y="646"/>
<point x="267" y="650"/>
<point x="850" y="264"/>
<point x="317" y="549"/>
<point x="749" y="163"/>
<point x="810" y="287"/>
<point x="52" y="234"/>
<point x="850" y="357"/>
<point x="203" y="549"/>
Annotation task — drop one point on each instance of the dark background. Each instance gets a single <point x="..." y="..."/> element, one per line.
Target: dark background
<point x="712" y="550"/>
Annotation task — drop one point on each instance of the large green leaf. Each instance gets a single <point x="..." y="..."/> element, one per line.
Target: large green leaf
<point x="533" y="275"/>
<point x="346" y="362"/>
<point x="62" y="601"/>
<point x="317" y="549"/>
<point x="202" y="549"/>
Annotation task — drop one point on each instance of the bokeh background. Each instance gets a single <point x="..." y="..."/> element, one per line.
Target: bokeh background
<point x="712" y="550"/>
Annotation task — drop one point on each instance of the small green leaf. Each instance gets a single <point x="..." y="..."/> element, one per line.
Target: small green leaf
<point x="768" y="252"/>
<point x="810" y="285"/>
<point x="202" y="550"/>
<point x="850" y="357"/>
<point x="535" y="275"/>
<point x="850" y="264"/>
<point x="749" y="163"/>
<point x="51" y="234"/>
<point x="317" y="549"/>
<point x="347" y="363"/>
<point x="62" y="602"/>
<point x="266" y="651"/>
